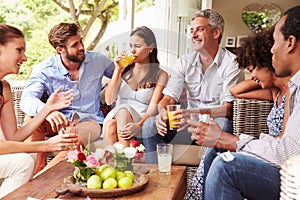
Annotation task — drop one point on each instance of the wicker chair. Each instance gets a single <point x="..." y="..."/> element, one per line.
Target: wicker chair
<point x="250" y="116"/>
<point x="16" y="95"/>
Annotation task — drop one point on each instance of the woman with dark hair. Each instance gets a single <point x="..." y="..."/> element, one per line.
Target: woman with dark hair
<point x="136" y="89"/>
<point x="255" y="55"/>
<point x="16" y="164"/>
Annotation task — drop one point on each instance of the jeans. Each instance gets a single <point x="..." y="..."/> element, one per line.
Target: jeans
<point x="243" y="177"/>
<point x="151" y="138"/>
<point x="211" y="153"/>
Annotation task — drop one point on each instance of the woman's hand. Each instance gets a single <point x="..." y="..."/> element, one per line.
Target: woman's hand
<point x="121" y="62"/>
<point x="61" y="142"/>
<point x="129" y="131"/>
<point x="58" y="100"/>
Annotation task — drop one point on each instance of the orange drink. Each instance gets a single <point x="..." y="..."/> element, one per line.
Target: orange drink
<point x="171" y="122"/>
<point x="171" y="109"/>
<point x="127" y="60"/>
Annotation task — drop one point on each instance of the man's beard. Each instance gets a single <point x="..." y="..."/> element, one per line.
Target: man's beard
<point x="74" y="58"/>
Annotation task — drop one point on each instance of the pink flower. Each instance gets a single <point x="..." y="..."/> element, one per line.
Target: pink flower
<point x="92" y="161"/>
<point x="72" y="156"/>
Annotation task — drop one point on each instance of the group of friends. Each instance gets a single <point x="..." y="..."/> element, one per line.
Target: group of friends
<point x="212" y="76"/>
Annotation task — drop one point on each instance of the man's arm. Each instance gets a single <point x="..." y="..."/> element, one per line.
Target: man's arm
<point x="226" y="110"/>
<point x="110" y="69"/>
<point x="30" y="102"/>
<point x="211" y="135"/>
<point x="166" y="100"/>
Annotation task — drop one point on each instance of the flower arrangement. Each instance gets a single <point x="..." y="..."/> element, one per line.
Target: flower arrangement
<point x="88" y="163"/>
<point x="123" y="156"/>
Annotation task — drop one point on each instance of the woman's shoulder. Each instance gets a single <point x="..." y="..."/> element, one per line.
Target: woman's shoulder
<point x="4" y="91"/>
<point x="4" y="85"/>
<point x="162" y="75"/>
<point x="275" y="92"/>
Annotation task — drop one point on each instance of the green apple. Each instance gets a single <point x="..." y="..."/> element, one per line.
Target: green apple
<point x="110" y="183"/>
<point x="102" y="167"/>
<point x="120" y="175"/>
<point x="108" y="172"/>
<point x="94" y="182"/>
<point x="125" y="182"/>
<point x="130" y="174"/>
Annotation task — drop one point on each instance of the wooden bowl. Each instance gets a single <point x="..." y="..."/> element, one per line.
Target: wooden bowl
<point x="140" y="182"/>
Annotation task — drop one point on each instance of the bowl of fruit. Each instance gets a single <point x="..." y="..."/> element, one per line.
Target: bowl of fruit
<point x="94" y="177"/>
<point x="107" y="182"/>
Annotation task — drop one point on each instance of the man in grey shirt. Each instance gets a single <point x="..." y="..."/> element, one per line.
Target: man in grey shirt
<point x="208" y="74"/>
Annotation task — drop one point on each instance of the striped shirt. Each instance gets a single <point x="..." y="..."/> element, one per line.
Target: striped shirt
<point x="277" y="150"/>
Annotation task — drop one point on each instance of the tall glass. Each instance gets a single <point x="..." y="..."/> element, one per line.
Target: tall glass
<point x="164" y="156"/>
<point x="171" y="110"/>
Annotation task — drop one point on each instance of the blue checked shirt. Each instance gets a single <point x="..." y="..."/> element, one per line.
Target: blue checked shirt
<point x="51" y="74"/>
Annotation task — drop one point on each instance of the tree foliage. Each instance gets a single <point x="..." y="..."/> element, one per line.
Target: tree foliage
<point x="88" y="14"/>
<point x="36" y="17"/>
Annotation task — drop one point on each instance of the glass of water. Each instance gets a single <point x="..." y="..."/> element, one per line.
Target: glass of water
<point x="164" y="156"/>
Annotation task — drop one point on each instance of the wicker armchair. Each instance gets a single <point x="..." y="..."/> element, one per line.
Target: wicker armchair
<point x="250" y="116"/>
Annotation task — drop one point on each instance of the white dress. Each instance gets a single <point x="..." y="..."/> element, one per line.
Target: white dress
<point x="136" y="102"/>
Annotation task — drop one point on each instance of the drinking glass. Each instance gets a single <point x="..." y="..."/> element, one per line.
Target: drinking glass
<point x="171" y="109"/>
<point x="127" y="59"/>
<point x="164" y="156"/>
<point x="199" y="118"/>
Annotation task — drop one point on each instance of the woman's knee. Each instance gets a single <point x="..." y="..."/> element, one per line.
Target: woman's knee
<point x="123" y="113"/>
<point x="24" y="163"/>
<point x="110" y="127"/>
<point x="111" y="123"/>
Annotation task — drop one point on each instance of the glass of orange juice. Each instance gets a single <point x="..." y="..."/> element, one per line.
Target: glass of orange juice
<point x="171" y="109"/>
<point x="127" y="59"/>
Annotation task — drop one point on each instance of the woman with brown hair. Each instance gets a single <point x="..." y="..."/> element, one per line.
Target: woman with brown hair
<point x="16" y="164"/>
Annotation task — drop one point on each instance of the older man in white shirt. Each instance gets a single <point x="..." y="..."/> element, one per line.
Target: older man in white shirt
<point x="207" y="74"/>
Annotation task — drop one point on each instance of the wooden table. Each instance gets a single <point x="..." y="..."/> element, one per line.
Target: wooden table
<point x="160" y="186"/>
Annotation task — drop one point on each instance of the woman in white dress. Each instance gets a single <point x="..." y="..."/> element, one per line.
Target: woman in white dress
<point x="136" y="89"/>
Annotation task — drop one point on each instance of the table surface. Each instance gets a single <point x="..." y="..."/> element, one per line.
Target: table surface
<point x="160" y="186"/>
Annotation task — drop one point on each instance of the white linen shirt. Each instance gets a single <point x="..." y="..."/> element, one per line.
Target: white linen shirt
<point x="277" y="150"/>
<point x="208" y="90"/>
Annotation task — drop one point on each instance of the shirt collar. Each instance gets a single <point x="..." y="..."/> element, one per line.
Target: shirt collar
<point x="217" y="60"/>
<point x="295" y="80"/>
